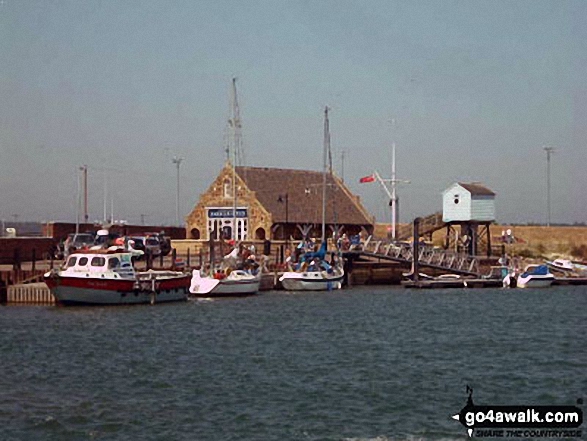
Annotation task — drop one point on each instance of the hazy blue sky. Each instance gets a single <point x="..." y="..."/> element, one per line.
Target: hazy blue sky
<point x="476" y="89"/>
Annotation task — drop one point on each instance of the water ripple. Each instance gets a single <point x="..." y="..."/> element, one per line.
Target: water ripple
<point x="372" y="364"/>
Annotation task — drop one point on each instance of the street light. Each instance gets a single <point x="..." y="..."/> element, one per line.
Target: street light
<point x="177" y="161"/>
<point x="549" y="151"/>
<point x="282" y="199"/>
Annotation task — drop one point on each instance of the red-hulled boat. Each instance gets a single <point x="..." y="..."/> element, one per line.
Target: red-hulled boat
<point x="107" y="277"/>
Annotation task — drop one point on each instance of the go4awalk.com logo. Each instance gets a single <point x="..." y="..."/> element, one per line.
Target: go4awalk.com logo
<point x="520" y="421"/>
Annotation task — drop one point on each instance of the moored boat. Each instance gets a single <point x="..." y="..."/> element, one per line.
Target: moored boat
<point x="535" y="276"/>
<point x="313" y="273"/>
<point x="107" y="277"/>
<point x="567" y="267"/>
<point x="236" y="283"/>
<point x="317" y="280"/>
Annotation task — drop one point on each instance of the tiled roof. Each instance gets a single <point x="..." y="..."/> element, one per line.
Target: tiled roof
<point x="477" y="189"/>
<point x="304" y="190"/>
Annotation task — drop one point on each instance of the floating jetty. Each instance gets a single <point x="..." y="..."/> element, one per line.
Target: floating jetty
<point x="452" y="283"/>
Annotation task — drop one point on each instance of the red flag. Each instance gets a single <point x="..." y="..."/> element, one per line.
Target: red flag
<point x="370" y="178"/>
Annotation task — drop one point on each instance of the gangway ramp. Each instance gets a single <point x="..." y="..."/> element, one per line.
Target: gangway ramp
<point x="428" y="256"/>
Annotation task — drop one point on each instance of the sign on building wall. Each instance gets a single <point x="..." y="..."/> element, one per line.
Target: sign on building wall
<point x="222" y="224"/>
<point x="220" y="213"/>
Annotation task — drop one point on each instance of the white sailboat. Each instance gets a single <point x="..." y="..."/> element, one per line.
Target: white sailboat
<point x="230" y="281"/>
<point x="315" y="274"/>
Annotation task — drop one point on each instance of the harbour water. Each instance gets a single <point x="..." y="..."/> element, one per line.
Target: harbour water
<point x="370" y="363"/>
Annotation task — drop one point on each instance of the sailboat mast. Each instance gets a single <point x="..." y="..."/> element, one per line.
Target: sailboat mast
<point x="235" y="123"/>
<point x="393" y="194"/>
<point x="325" y="158"/>
<point x="77" y="205"/>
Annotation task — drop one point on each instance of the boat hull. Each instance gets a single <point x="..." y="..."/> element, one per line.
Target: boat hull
<point x="78" y="291"/>
<point x="534" y="282"/>
<point x="310" y="282"/>
<point x="236" y="284"/>
<point x="230" y="288"/>
<point x="234" y="288"/>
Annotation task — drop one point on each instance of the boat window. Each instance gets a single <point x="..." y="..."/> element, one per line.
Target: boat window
<point x="113" y="262"/>
<point x="98" y="261"/>
<point x="83" y="261"/>
<point x="71" y="261"/>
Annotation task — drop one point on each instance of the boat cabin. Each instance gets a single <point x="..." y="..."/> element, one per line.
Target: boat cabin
<point x="102" y="262"/>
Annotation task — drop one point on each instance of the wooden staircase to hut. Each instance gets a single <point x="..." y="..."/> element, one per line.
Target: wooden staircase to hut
<point x="428" y="225"/>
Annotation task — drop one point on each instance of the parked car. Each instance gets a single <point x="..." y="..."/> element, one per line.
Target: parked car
<point x="138" y="243"/>
<point x="165" y="244"/>
<point x="153" y="245"/>
<point x="105" y="239"/>
<point x="74" y="242"/>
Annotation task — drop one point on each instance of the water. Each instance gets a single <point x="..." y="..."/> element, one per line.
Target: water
<point x="362" y="364"/>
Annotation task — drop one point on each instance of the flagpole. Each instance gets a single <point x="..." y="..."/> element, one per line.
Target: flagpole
<point x="390" y="194"/>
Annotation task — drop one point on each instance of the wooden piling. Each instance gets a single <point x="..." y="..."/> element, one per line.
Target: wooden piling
<point x="416" y="250"/>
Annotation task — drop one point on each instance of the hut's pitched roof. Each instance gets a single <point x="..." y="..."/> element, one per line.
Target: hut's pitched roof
<point x="304" y="192"/>
<point x="477" y="189"/>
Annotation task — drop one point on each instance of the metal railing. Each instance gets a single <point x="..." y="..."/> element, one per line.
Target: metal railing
<point x="428" y="255"/>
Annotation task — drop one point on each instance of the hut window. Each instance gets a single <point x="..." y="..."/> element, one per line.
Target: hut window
<point x="456" y="200"/>
<point x="227" y="188"/>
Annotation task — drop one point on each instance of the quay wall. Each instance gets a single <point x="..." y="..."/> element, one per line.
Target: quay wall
<point x="30" y="294"/>
<point x="23" y="249"/>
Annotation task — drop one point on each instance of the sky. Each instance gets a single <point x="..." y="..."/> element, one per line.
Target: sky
<point x="467" y="90"/>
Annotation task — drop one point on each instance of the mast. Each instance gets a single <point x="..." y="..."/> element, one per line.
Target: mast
<point x="393" y="193"/>
<point x="105" y="198"/>
<point x="84" y="168"/>
<point x="235" y="125"/>
<point x="326" y="156"/>
<point x="77" y="204"/>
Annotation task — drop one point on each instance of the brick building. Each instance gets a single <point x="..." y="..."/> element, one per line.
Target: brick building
<point x="275" y="204"/>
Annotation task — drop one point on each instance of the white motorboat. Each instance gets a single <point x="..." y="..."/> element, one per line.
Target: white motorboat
<point x="107" y="277"/>
<point x="535" y="276"/>
<point x="567" y="267"/>
<point x="236" y="283"/>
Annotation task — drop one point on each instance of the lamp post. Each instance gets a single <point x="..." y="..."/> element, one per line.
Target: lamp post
<point x="282" y="199"/>
<point x="84" y="169"/>
<point x="549" y="151"/>
<point x="177" y="161"/>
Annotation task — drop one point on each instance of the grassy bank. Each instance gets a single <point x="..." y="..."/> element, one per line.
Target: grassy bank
<point x="531" y="241"/>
